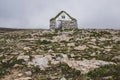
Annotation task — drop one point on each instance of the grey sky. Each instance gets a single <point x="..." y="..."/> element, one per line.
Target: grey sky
<point x="37" y="13"/>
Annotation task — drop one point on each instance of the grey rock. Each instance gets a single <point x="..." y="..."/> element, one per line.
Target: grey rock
<point x="42" y="62"/>
<point x="28" y="73"/>
<point x="63" y="78"/>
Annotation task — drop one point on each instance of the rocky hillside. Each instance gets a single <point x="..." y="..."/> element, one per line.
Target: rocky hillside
<point x="60" y="55"/>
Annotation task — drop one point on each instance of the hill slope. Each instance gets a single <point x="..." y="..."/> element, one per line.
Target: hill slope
<point x="46" y="55"/>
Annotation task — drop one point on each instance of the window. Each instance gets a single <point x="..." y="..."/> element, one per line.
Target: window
<point x="63" y="17"/>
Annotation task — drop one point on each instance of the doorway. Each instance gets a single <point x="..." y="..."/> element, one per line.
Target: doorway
<point x="59" y="24"/>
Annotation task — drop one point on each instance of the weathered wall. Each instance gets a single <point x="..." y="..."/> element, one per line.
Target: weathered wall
<point x="65" y="24"/>
<point x="52" y="24"/>
<point x="69" y="25"/>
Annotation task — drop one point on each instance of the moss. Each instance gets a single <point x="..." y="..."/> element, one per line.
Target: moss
<point x="44" y="42"/>
<point x="42" y="78"/>
<point x="107" y="70"/>
<point x="77" y="32"/>
<point x="35" y="69"/>
<point x="95" y="34"/>
<point x="105" y="57"/>
<point x="60" y="70"/>
<point x="5" y="66"/>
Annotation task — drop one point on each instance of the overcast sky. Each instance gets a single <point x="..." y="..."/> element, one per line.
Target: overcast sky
<point x="37" y="13"/>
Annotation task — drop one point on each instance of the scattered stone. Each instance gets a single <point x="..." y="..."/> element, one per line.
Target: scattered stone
<point x="14" y="53"/>
<point x="71" y="44"/>
<point x="61" y="38"/>
<point x="107" y="78"/>
<point x="27" y="49"/>
<point x="24" y="57"/>
<point x="72" y="55"/>
<point x="116" y="58"/>
<point x="16" y="65"/>
<point x="20" y="74"/>
<point x="102" y="39"/>
<point x="28" y="73"/>
<point x="63" y="42"/>
<point x="93" y="54"/>
<point x="30" y="63"/>
<point x="26" y="78"/>
<point x="93" y="40"/>
<point x="107" y="49"/>
<point x="94" y="46"/>
<point x="83" y="47"/>
<point x="63" y="78"/>
<point x="87" y="65"/>
<point x="59" y="58"/>
<point x="54" y="62"/>
<point x="49" y="57"/>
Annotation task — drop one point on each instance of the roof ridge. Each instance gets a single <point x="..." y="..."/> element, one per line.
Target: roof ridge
<point x="60" y="13"/>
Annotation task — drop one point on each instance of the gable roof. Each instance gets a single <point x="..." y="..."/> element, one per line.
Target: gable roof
<point x="60" y="14"/>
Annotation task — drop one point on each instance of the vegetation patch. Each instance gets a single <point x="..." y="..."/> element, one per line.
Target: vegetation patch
<point x="105" y="71"/>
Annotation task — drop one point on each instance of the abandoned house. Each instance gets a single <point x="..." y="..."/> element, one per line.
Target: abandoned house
<point x="63" y="21"/>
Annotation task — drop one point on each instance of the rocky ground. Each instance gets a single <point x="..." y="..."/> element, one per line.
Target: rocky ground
<point x="60" y="55"/>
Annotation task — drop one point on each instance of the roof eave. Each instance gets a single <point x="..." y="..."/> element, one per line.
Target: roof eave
<point x="60" y="13"/>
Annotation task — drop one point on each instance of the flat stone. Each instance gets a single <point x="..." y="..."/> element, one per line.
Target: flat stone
<point x="26" y="48"/>
<point x="20" y="74"/>
<point x="116" y="57"/>
<point x="71" y="44"/>
<point x="24" y="57"/>
<point x="28" y="73"/>
<point x="63" y="78"/>
<point x="83" y="47"/>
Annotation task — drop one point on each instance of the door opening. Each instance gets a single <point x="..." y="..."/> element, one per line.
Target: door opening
<point x="59" y="24"/>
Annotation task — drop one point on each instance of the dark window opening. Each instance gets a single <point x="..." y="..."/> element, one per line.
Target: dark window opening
<point x="63" y="17"/>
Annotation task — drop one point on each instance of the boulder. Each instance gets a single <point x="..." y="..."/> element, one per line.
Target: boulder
<point x="63" y="78"/>
<point x="42" y="62"/>
<point x="28" y="73"/>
